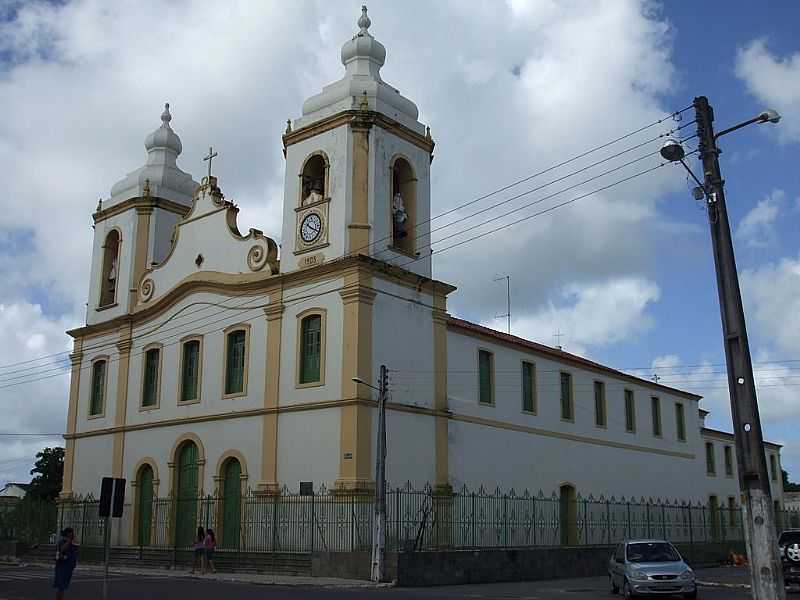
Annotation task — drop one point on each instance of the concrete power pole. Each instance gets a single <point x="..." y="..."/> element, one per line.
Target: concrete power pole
<point x="759" y="520"/>
<point x="379" y="538"/>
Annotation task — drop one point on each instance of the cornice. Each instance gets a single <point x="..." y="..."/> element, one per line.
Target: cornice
<point x="142" y="205"/>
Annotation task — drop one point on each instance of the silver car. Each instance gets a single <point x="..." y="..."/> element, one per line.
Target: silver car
<point x="650" y="568"/>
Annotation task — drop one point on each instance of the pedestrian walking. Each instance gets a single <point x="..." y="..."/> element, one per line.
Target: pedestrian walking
<point x="210" y="544"/>
<point x="66" y="560"/>
<point x="199" y="549"/>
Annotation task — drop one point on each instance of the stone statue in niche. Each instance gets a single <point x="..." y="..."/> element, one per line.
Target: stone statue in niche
<point x="399" y="217"/>
<point x="314" y="192"/>
<point x="112" y="275"/>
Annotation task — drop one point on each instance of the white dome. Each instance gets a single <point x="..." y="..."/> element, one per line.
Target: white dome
<point x="362" y="57"/>
<point x="160" y="176"/>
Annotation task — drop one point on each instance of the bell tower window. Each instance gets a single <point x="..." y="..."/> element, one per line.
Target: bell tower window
<point x="314" y="180"/>
<point x="403" y="206"/>
<point x="110" y="273"/>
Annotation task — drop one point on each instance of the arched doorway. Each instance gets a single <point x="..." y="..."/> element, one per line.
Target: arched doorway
<point x="144" y="504"/>
<point x="186" y="486"/>
<point x="231" y="502"/>
<point x="568" y="515"/>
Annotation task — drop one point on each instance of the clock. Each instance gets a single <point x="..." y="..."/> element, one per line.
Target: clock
<point x="310" y="227"/>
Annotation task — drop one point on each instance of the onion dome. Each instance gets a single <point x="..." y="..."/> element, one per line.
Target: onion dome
<point x="361" y="88"/>
<point x="160" y="176"/>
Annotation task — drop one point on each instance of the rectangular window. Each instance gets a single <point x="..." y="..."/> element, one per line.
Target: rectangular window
<point x="485" y="377"/>
<point x="655" y="410"/>
<point x="600" y="404"/>
<point x="191" y="371"/>
<point x="151" y="383"/>
<point x="773" y="467"/>
<point x="566" y="397"/>
<point x="680" y="423"/>
<point x="732" y="510"/>
<point x="630" y="412"/>
<point x="310" y="349"/>
<point x="728" y="461"/>
<point x="528" y="387"/>
<point x="711" y="463"/>
<point x="96" y="406"/>
<point x="235" y="362"/>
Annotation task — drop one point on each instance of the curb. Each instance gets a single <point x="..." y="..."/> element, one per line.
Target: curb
<point x="717" y="584"/>
<point x="254" y="579"/>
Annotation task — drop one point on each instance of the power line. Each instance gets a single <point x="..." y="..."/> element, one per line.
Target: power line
<point x="672" y="115"/>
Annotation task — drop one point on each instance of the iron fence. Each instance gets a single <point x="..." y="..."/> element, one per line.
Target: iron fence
<point x="417" y="520"/>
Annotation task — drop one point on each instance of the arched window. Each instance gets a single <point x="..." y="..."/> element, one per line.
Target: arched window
<point x="231" y="502"/>
<point x="97" y="401"/>
<point x="191" y="361"/>
<point x="236" y="357"/>
<point x="314" y="180"/>
<point x="186" y="497"/>
<point x="311" y="349"/>
<point x="151" y="378"/>
<point x="110" y="273"/>
<point x="144" y="504"/>
<point x="403" y="206"/>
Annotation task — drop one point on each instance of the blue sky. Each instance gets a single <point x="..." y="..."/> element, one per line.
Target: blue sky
<point x="514" y="87"/>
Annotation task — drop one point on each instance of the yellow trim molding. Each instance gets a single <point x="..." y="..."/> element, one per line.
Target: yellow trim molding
<point x="72" y="416"/>
<point x="124" y="346"/>
<point x="269" y="435"/>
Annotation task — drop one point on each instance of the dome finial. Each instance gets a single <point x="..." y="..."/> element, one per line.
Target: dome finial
<point x="364" y="21"/>
<point x="165" y="116"/>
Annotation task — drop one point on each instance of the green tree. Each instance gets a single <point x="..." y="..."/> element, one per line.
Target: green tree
<point x="48" y="472"/>
<point x="789" y="486"/>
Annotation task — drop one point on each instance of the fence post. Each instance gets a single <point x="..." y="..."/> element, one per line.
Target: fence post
<point x="705" y="528"/>
<point x="397" y="516"/>
<point x="585" y="522"/>
<point x="473" y="519"/>
<point x="629" y="520"/>
<point x="534" y="519"/>
<point x="691" y="532"/>
<point x="312" y="522"/>
<point x="505" y="520"/>
<point x="647" y="513"/>
<point x="352" y="521"/>
<point x="608" y="521"/>
<point x="663" y="521"/>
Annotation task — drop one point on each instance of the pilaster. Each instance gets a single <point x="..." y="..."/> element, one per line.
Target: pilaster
<point x="442" y="473"/>
<point x="123" y="370"/>
<point x="75" y="359"/>
<point x="359" y="227"/>
<point x="269" y="448"/>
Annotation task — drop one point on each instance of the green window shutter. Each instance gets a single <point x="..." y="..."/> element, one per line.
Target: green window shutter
<point x="528" y="387"/>
<point x="98" y="388"/>
<point x="310" y="349"/>
<point x="485" y="376"/>
<point x="150" y="390"/>
<point x="630" y="412"/>
<point x="231" y="503"/>
<point x="599" y="404"/>
<point x="728" y="460"/>
<point x="680" y="424"/>
<point x="655" y="408"/>
<point x="191" y="370"/>
<point x="711" y="467"/>
<point x="234" y="377"/>
<point x="566" y="396"/>
<point x="145" y="505"/>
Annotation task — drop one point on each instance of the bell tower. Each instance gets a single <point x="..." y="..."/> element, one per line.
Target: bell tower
<point x="358" y="169"/>
<point x="133" y="227"/>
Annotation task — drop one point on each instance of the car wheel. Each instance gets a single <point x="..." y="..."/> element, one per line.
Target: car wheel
<point x="614" y="586"/>
<point x="793" y="552"/>
<point x="627" y="592"/>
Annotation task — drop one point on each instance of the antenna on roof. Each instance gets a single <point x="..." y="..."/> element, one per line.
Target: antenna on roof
<point x="508" y="300"/>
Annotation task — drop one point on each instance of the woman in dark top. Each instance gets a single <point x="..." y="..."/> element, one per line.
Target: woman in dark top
<point x="66" y="559"/>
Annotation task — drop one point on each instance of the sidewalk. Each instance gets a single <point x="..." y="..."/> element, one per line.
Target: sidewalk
<point x="252" y="578"/>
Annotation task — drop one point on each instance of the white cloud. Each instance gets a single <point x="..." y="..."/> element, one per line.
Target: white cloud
<point x="775" y="81"/>
<point x="622" y="302"/>
<point x="757" y="227"/>
<point x="39" y="406"/>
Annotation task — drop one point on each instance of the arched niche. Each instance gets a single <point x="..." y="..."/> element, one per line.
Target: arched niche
<point x="403" y="205"/>
<point x="109" y="276"/>
<point x="314" y="179"/>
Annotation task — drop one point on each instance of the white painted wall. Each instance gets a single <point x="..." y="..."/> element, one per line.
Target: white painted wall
<point x="94" y="348"/>
<point x="92" y="462"/>
<point x="308" y="447"/>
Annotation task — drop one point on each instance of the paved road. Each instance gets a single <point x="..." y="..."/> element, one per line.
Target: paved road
<point x="34" y="583"/>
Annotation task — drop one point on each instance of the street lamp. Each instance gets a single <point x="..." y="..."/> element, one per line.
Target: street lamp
<point x="378" y="569"/>
<point x="760" y="533"/>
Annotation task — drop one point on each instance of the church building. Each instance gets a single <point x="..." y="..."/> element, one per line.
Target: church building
<point x="209" y="359"/>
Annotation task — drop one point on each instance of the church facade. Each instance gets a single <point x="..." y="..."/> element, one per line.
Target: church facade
<point x="207" y="360"/>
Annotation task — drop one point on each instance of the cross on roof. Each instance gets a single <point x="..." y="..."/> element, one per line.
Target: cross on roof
<point x="211" y="155"/>
<point x="557" y="336"/>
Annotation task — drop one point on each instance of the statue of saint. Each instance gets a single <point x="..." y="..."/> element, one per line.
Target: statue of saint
<point x="112" y="275"/>
<point x="399" y="217"/>
<point x="315" y="194"/>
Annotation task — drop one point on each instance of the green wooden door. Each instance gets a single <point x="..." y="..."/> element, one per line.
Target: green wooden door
<point x="231" y="503"/>
<point x="145" y="508"/>
<point x="186" y="497"/>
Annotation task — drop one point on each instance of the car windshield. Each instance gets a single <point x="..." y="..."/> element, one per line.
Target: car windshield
<point x="789" y="537"/>
<point x="646" y="552"/>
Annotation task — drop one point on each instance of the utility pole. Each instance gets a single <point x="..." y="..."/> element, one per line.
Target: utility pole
<point x="508" y="300"/>
<point x="759" y="519"/>
<point x="378" y="572"/>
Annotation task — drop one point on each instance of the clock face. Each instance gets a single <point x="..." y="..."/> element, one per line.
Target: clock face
<point x="311" y="227"/>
